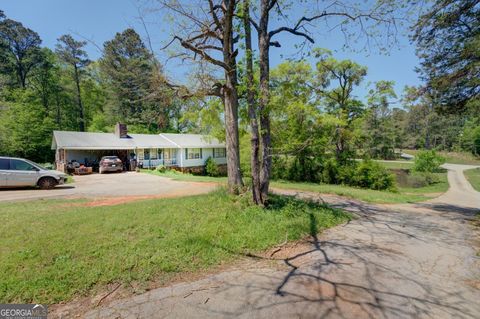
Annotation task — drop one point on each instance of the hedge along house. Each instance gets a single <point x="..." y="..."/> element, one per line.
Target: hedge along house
<point x="185" y="152"/>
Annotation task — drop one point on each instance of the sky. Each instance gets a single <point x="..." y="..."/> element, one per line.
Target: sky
<point x="99" y="20"/>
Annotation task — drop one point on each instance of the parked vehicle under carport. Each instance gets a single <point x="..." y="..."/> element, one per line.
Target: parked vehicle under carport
<point x="110" y="164"/>
<point x="20" y="172"/>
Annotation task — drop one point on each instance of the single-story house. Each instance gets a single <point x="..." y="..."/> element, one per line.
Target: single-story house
<point x="185" y="152"/>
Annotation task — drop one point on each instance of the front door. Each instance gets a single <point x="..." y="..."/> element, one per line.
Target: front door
<point x="4" y="167"/>
<point x="22" y="173"/>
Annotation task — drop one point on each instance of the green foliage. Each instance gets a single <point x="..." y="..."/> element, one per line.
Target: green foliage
<point x="19" y="51"/>
<point x="136" y="243"/>
<point x="372" y="175"/>
<point x="470" y="139"/>
<point x="161" y="168"/>
<point x="379" y="129"/>
<point x="428" y="161"/>
<point x="448" y="42"/>
<point x="211" y="167"/>
<point x="25" y="131"/>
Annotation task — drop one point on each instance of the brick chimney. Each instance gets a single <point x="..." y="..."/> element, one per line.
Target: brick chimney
<point x="121" y="130"/>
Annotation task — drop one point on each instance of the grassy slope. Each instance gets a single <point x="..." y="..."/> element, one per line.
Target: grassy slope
<point x="454" y="157"/>
<point x="473" y="176"/>
<point x="52" y="250"/>
<point x="404" y="195"/>
<point x="396" y="165"/>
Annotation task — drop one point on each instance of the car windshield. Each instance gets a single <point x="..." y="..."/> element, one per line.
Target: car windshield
<point x="110" y="158"/>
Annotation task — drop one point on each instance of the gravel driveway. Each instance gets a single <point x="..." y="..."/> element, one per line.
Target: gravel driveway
<point x="114" y="185"/>
<point x="395" y="261"/>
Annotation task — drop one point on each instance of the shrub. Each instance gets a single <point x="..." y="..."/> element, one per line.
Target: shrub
<point x="369" y="174"/>
<point x="427" y="177"/>
<point x="428" y="161"/>
<point x="330" y="172"/>
<point x="280" y="167"/>
<point x="211" y="168"/>
<point x="161" y="168"/>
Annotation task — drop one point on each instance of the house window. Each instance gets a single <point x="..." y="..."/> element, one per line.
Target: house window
<point x="193" y="153"/>
<point x="160" y="151"/>
<point x="146" y="155"/>
<point x="153" y="154"/>
<point x="219" y="153"/>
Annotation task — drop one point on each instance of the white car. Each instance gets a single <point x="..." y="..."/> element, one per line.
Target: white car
<point x="19" y="172"/>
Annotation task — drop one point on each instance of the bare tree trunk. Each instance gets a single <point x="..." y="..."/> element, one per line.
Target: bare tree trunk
<point x="79" y="101"/>
<point x="231" y="103"/>
<point x="264" y="49"/>
<point x="252" y="109"/>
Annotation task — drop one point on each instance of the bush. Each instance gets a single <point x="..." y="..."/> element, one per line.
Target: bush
<point x="280" y="168"/>
<point x="48" y="166"/>
<point x="428" y="161"/>
<point x="161" y="168"/>
<point x="211" y="168"/>
<point x="369" y="174"/>
<point x="330" y="172"/>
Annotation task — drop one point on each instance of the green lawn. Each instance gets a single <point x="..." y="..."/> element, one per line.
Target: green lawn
<point x="404" y="195"/>
<point x="396" y="165"/>
<point x="473" y="176"/>
<point x="178" y="176"/>
<point x="54" y="250"/>
<point x="454" y="157"/>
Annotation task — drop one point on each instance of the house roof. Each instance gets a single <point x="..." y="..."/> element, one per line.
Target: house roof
<point x="192" y="140"/>
<point x="109" y="141"/>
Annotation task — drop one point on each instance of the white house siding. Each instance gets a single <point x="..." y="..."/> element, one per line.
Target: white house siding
<point x="206" y="153"/>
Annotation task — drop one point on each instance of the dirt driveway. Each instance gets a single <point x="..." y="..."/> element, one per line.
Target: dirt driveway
<point x="395" y="261"/>
<point x="127" y="186"/>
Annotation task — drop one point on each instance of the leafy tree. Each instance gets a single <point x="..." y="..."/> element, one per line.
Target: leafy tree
<point x="379" y="125"/>
<point x="25" y="128"/>
<point x="128" y="67"/>
<point x="470" y="137"/>
<point x="71" y="52"/>
<point x="428" y="161"/>
<point x="298" y="131"/>
<point x="448" y="41"/>
<point x="19" y="50"/>
<point x="335" y="83"/>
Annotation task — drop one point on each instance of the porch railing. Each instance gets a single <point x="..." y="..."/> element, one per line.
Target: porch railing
<point x="155" y="163"/>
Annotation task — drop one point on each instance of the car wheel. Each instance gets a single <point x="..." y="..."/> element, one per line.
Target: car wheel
<point x="47" y="183"/>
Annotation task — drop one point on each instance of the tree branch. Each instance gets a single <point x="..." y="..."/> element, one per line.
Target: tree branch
<point x="202" y="53"/>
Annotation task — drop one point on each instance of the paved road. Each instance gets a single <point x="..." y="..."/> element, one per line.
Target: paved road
<point x="96" y="186"/>
<point x="397" y="261"/>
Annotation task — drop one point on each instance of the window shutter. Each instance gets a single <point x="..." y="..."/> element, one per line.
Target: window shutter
<point x="186" y="153"/>
<point x="201" y="153"/>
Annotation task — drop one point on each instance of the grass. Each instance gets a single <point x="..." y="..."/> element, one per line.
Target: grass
<point x="396" y="165"/>
<point x="473" y="176"/>
<point x="404" y="195"/>
<point x="53" y="251"/>
<point x="178" y="176"/>
<point x="454" y="157"/>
